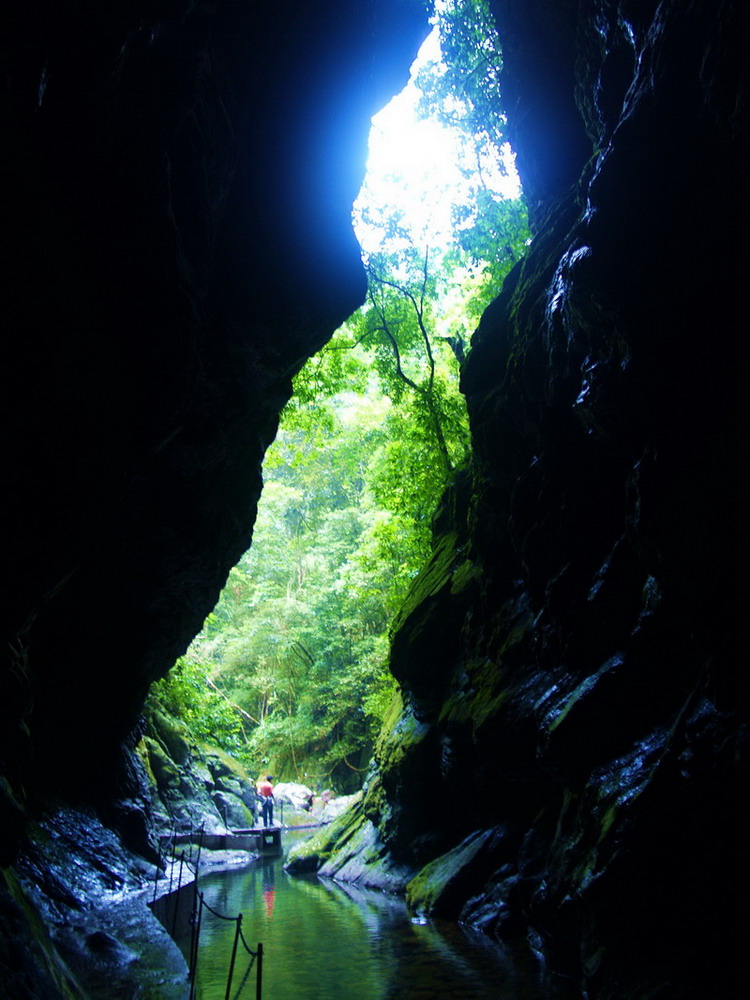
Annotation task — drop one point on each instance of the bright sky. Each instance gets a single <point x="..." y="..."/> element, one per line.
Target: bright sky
<point x="413" y="165"/>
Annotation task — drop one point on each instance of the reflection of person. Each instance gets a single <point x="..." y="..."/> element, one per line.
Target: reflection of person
<point x="269" y="892"/>
<point x="266" y="799"/>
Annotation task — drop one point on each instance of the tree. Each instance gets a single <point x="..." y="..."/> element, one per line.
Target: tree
<point x="462" y="89"/>
<point x="296" y="650"/>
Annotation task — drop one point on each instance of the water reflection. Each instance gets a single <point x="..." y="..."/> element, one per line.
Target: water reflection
<point x="327" y="941"/>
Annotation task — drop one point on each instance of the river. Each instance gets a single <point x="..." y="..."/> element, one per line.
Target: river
<point x="326" y="941"/>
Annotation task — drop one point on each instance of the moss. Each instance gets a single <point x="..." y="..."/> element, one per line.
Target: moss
<point x="223" y="763"/>
<point x="445" y="877"/>
<point x="393" y="715"/>
<point x="143" y="753"/>
<point x="375" y="804"/>
<point x="464" y="575"/>
<point x="395" y="745"/>
<point x="164" y="770"/>
<point x="484" y="690"/>
<point x="311" y="854"/>
<point x="483" y="699"/>
<point x="607" y="820"/>
<point x="351" y="849"/>
<point x="173" y="734"/>
<point x="580" y="692"/>
<point x="435" y="575"/>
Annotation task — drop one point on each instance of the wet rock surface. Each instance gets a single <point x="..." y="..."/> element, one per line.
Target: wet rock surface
<point x="572" y="646"/>
<point x="193" y="785"/>
<point x="570" y="755"/>
<point x="349" y="849"/>
<point x="177" y="182"/>
<point x="83" y="914"/>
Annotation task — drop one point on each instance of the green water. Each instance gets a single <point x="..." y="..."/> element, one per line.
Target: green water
<point x="325" y="941"/>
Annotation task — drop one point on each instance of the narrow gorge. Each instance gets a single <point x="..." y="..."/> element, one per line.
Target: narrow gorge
<point x="178" y="177"/>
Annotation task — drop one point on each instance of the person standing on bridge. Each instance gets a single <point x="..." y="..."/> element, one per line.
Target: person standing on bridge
<point x="266" y="800"/>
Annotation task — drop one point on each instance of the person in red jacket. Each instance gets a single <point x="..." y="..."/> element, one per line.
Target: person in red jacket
<point x="265" y="788"/>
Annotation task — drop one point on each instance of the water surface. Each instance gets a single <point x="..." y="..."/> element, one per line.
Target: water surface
<point x="327" y="941"/>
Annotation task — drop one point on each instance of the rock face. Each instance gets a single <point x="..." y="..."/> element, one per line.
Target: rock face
<point x="571" y="754"/>
<point x="192" y="785"/>
<point x="569" y="760"/>
<point x="177" y="182"/>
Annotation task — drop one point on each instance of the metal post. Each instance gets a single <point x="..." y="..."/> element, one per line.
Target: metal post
<point x="200" y="848"/>
<point x="194" y="954"/>
<point x="194" y="930"/>
<point x="156" y="879"/>
<point x="234" y="956"/>
<point x="171" y="869"/>
<point x="177" y="896"/>
<point x="259" y="979"/>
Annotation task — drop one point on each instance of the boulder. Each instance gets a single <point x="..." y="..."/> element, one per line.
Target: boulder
<point x="232" y="810"/>
<point x="298" y="796"/>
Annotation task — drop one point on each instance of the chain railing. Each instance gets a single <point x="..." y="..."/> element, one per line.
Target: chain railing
<point x="179" y="863"/>
<point x="239" y="938"/>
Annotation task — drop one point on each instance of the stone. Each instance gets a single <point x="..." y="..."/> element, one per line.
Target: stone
<point x="297" y="795"/>
<point x="232" y="810"/>
<point x="178" y="186"/>
<point x="570" y="645"/>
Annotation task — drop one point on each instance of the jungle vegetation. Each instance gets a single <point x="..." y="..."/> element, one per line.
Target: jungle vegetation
<point x="290" y="672"/>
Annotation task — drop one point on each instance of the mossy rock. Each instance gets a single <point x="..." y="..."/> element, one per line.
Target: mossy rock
<point x="232" y="810"/>
<point x="433" y="577"/>
<point x="442" y="886"/>
<point x="143" y="754"/>
<point x="311" y="854"/>
<point x="173" y="734"/>
<point x="351" y="849"/>
<point x="166" y="773"/>
<point x="223" y="766"/>
<point x="365" y="859"/>
<point x="400" y="740"/>
<point x="375" y="802"/>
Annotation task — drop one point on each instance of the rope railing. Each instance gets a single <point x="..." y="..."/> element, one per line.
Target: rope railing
<point x="196" y="920"/>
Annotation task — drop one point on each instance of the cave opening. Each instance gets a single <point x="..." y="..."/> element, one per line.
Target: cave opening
<point x="290" y="671"/>
<point x="177" y="223"/>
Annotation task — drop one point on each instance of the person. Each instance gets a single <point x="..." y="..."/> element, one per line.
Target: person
<point x="266" y="800"/>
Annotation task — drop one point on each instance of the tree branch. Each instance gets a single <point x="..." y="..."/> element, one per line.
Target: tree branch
<point x="232" y="703"/>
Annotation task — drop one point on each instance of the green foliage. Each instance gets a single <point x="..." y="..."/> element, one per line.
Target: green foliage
<point x="463" y="89"/>
<point x="291" y="669"/>
<point x="298" y="641"/>
<point x="186" y="694"/>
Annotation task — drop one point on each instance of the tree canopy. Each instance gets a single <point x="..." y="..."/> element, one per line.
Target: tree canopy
<point x="290" y="670"/>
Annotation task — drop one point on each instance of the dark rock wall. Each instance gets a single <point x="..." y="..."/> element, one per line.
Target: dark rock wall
<point x="177" y="187"/>
<point x="177" y="178"/>
<point x="573" y="659"/>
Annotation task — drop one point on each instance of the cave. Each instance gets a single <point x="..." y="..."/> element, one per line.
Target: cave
<point x="178" y="178"/>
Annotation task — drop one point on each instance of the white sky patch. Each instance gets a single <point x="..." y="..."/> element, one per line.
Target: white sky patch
<point x="413" y="167"/>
